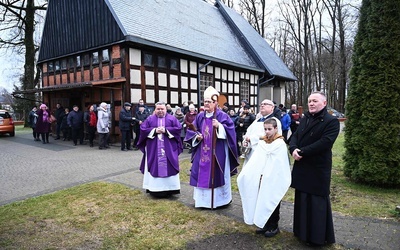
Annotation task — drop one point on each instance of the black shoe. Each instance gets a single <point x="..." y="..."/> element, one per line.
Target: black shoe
<point x="136" y="148"/>
<point x="130" y="148"/>
<point x="58" y="138"/>
<point x="74" y="144"/>
<point x="124" y="149"/>
<point x="271" y="233"/>
<point x="43" y="142"/>
<point x="64" y="139"/>
<point x="261" y="230"/>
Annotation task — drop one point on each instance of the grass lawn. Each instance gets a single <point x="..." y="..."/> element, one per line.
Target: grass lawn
<point x="112" y="216"/>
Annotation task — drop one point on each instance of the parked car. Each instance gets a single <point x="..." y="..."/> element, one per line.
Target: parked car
<point x="6" y="123"/>
<point x="334" y="112"/>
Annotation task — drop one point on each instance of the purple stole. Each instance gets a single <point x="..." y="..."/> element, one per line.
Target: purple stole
<point x="204" y="179"/>
<point x="162" y="158"/>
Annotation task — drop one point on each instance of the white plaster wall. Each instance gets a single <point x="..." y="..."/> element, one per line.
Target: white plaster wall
<point x="135" y="57"/>
<point x="135" y="76"/>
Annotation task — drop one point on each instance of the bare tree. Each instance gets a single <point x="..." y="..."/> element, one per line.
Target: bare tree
<point x="228" y="3"/>
<point x="18" y="27"/>
<point x="316" y="32"/>
<point x="256" y="14"/>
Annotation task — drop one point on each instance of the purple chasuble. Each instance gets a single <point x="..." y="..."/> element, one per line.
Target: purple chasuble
<point x="206" y="154"/>
<point x="200" y="173"/>
<point x="161" y="151"/>
<point x="162" y="158"/>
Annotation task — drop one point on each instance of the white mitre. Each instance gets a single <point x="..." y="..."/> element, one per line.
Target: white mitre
<point x="209" y="92"/>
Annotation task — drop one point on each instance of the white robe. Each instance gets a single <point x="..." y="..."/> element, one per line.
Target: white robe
<point x="263" y="181"/>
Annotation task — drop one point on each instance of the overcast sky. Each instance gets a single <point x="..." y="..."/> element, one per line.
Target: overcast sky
<point x="9" y="66"/>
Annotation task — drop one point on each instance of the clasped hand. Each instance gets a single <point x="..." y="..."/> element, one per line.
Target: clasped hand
<point x="296" y="155"/>
<point x="160" y="130"/>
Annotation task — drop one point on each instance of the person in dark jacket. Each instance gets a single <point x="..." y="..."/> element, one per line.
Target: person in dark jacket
<point x="90" y="119"/>
<point x="125" y="121"/>
<point x="64" y="125"/>
<point x="58" y="114"/>
<point x="294" y="118"/>
<point x="140" y="116"/>
<point x="242" y="123"/>
<point x="277" y="112"/>
<point x="32" y="123"/>
<point x="311" y="147"/>
<point x="75" y="122"/>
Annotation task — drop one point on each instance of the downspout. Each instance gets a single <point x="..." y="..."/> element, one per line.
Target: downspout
<point x="198" y="84"/>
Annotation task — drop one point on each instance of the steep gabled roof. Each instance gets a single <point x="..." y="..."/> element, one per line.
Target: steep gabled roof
<point x="193" y="27"/>
<point x="73" y="26"/>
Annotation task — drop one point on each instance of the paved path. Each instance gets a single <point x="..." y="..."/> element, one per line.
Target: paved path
<point x="29" y="168"/>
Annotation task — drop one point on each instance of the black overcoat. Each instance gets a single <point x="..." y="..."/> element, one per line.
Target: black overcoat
<point x="315" y="137"/>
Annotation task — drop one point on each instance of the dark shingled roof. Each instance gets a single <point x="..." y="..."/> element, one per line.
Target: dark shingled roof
<point x="193" y="27"/>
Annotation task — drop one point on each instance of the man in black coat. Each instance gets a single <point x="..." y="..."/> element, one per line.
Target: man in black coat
<point x="75" y="122"/>
<point x="311" y="147"/>
<point x="59" y="115"/>
<point x="140" y="116"/>
<point x="125" y="120"/>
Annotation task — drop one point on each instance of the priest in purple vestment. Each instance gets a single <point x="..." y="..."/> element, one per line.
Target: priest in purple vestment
<point x="161" y="145"/>
<point x="212" y="189"/>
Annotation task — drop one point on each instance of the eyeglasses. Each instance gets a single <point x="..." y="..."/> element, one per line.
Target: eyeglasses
<point x="266" y="104"/>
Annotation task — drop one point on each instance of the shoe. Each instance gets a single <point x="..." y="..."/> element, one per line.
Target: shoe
<point x="43" y="142"/>
<point x="74" y="144"/>
<point x="130" y="148"/>
<point x="107" y="146"/>
<point x="135" y="148"/>
<point x="271" y="233"/>
<point x="64" y="139"/>
<point x="91" y="145"/>
<point x="124" y="149"/>
<point x="261" y="230"/>
<point x="101" y="148"/>
<point x="58" y="138"/>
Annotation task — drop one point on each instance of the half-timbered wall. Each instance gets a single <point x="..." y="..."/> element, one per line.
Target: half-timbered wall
<point x="175" y="84"/>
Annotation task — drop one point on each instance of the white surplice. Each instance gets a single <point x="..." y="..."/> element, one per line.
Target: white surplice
<point x="263" y="181"/>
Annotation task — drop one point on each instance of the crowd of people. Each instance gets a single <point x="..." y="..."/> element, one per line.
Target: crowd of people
<point x="216" y="138"/>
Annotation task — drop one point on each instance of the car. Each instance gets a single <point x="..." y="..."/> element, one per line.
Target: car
<point x="334" y="112"/>
<point x="6" y="123"/>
